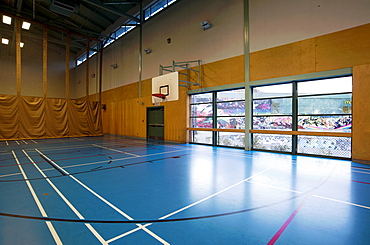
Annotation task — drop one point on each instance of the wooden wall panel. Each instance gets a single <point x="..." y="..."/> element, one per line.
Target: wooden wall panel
<point x="291" y="59"/>
<point x="175" y="117"/>
<point x="146" y="88"/>
<point x="222" y="72"/>
<point x="343" y="49"/>
<point x="135" y="116"/>
<point x="361" y="114"/>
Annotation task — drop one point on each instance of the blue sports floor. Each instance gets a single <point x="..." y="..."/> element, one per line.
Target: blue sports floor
<point x="115" y="190"/>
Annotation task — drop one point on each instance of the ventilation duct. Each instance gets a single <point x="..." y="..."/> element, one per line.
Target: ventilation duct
<point x="64" y="7"/>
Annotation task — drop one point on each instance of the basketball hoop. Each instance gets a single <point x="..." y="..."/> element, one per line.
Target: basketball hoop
<point x="158" y="98"/>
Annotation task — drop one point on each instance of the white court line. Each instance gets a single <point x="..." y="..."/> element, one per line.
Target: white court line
<point x="195" y="203"/>
<point x="107" y="202"/>
<point x="116" y="150"/>
<point x="61" y="148"/>
<point x="114" y="160"/>
<point x="79" y="215"/>
<point x="336" y="200"/>
<point x="92" y="163"/>
<point x="322" y="197"/>
<point x="39" y="205"/>
<point x="17" y="142"/>
<point x="25" y="142"/>
<point x="7" y="175"/>
<point x="360" y="172"/>
<point x="215" y="194"/>
<point x="127" y="233"/>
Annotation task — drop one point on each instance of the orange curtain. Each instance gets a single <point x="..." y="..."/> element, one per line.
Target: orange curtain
<point x="33" y="117"/>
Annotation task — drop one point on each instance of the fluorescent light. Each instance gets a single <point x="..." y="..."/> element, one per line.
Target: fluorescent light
<point x="26" y="25"/>
<point x="4" y="41"/>
<point x="21" y="45"/>
<point x="7" y="20"/>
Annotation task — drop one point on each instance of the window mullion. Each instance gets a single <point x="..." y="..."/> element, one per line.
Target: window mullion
<point x="214" y="118"/>
<point x="295" y="118"/>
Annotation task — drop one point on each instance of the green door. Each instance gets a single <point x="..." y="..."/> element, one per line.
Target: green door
<point x="155" y="120"/>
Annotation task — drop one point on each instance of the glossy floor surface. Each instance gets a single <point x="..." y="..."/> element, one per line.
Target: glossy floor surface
<point x="114" y="190"/>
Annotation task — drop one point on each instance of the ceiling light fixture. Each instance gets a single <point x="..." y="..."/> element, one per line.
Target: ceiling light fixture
<point x="21" y="45"/>
<point x="5" y="41"/>
<point x="7" y="20"/>
<point x="26" y="25"/>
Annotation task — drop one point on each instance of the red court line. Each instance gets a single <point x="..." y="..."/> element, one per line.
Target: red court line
<point x="360" y="182"/>
<point x="287" y="222"/>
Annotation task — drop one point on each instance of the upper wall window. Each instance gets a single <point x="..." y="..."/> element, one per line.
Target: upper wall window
<point x="149" y="11"/>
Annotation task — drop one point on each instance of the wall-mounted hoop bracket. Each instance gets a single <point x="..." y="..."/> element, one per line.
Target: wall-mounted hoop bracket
<point x="184" y="65"/>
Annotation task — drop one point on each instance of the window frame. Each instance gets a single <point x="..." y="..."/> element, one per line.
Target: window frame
<point x="296" y="115"/>
<point x="216" y="135"/>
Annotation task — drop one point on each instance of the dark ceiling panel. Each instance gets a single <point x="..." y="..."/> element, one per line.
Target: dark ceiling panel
<point x="89" y="18"/>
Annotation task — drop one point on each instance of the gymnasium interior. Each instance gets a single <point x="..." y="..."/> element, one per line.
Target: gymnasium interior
<point x="184" y="122"/>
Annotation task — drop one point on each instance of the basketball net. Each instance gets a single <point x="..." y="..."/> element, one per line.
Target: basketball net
<point x="158" y="98"/>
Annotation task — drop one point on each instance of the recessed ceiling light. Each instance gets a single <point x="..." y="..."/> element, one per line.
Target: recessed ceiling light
<point x="7" y="19"/>
<point x="4" y="41"/>
<point x="21" y="45"/>
<point x="26" y="25"/>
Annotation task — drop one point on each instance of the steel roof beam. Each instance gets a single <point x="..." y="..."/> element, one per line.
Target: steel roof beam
<point x="98" y="13"/>
<point x="110" y="9"/>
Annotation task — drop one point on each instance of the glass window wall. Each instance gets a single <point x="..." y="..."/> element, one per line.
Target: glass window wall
<point x="218" y="110"/>
<point x="323" y="105"/>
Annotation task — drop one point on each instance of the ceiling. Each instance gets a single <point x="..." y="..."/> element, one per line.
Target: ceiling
<point x="85" y="19"/>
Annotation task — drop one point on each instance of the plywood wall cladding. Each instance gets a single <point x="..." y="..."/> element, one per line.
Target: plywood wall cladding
<point x="126" y="92"/>
<point x="343" y="49"/>
<point x="223" y="72"/>
<point x="146" y="88"/>
<point x="291" y="59"/>
<point x="126" y="117"/>
<point x="361" y="114"/>
<point x="135" y="116"/>
<point x="175" y="118"/>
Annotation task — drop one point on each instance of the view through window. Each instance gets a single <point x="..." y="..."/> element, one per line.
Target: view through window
<point x="305" y="117"/>
<point x="224" y="110"/>
<point x="322" y="106"/>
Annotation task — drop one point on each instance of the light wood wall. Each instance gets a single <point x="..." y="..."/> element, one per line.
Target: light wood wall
<point x="361" y="114"/>
<point x="343" y="49"/>
<point x="348" y="48"/>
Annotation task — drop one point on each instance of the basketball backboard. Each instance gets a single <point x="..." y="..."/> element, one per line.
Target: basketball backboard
<point x="168" y="85"/>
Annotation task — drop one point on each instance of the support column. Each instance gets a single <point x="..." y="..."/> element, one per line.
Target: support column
<point x="87" y="68"/>
<point x="248" y="99"/>
<point x="45" y="74"/>
<point x="18" y="70"/>
<point x="18" y="56"/>
<point x="45" y="63"/>
<point x="141" y="48"/>
<point x="100" y="71"/>
<point x="67" y="64"/>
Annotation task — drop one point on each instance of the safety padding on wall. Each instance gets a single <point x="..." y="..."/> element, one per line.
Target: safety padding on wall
<point x="34" y="117"/>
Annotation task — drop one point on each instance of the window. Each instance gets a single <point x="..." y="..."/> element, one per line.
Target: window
<point x="218" y="110"/>
<point x="322" y="110"/>
<point x="323" y="105"/>
<point x="149" y="11"/>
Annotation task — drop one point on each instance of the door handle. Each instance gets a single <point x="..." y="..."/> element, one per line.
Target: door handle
<point x="156" y="125"/>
